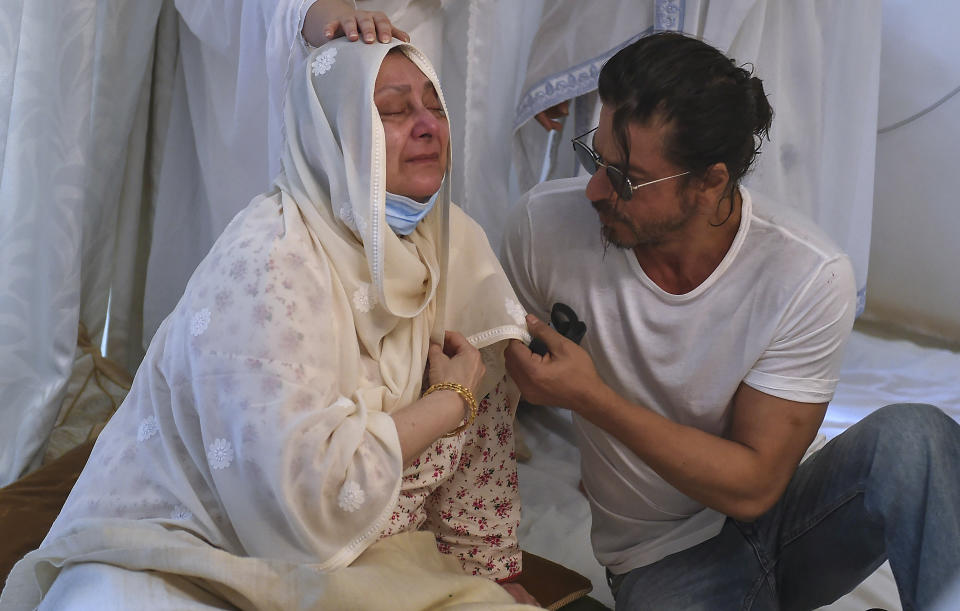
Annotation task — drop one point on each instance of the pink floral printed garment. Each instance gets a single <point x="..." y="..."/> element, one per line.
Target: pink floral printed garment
<point x="464" y="490"/>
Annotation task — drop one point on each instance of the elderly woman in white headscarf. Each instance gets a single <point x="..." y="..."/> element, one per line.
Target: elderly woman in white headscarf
<point x="325" y="411"/>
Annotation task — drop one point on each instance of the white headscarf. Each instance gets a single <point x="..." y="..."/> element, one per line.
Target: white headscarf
<point x="334" y="172"/>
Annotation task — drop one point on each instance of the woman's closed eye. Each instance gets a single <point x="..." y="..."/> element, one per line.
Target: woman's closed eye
<point x="391" y="103"/>
<point x="432" y="101"/>
<point x="401" y="111"/>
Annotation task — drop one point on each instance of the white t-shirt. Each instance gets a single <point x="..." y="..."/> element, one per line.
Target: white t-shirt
<point x="775" y="315"/>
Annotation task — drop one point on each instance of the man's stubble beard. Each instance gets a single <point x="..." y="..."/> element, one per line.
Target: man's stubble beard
<point x="651" y="233"/>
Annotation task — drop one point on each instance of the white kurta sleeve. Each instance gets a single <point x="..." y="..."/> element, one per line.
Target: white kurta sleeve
<point x="285" y="49"/>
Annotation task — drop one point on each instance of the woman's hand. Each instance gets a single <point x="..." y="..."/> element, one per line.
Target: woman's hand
<point x="520" y="594"/>
<point x="423" y="421"/>
<point x="458" y="361"/>
<point x="329" y="19"/>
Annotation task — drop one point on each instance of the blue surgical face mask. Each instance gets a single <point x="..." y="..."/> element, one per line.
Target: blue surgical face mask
<point x="404" y="213"/>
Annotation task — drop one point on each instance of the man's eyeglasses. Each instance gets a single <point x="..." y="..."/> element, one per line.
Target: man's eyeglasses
<point x="592" y="162"/>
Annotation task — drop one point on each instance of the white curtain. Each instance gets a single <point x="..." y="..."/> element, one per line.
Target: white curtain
<point x="820" y="64"/>
<point x="73" y="78"/>
<point x="915" y="250"/>
<point x="485" y="46"/>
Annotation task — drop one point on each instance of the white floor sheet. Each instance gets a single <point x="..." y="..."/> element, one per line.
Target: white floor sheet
<point x="876" y="372"/>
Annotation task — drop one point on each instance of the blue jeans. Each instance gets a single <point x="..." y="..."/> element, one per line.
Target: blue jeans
<point x="888" y="487"/>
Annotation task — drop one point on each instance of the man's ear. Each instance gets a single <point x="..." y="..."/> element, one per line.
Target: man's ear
<point x="713" y="185"/>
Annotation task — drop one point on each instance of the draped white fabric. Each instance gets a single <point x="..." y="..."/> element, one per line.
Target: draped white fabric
<point x="71" y="115"/>
<point x="820" y="65"/>
<point x="485" y="45"/>
<point x="214" y="157"/>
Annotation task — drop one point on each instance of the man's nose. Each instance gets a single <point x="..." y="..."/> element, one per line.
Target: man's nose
<point x="598" y="187"/>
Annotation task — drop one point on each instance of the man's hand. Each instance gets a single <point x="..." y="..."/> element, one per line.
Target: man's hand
<point x="564" y="377"/>
<point x="329" y="19"/>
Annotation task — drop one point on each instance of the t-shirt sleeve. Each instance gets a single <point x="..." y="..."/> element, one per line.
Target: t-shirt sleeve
<point x="518" y="256"/>
<point x="803" y="361"/>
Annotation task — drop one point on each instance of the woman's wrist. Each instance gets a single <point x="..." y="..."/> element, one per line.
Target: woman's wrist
<point x="465" y="395"/>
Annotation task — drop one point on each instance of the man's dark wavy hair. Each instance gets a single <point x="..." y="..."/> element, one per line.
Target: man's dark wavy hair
<point x="715" y="111"/>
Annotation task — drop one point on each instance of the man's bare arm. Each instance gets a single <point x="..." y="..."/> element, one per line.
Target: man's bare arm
<point x="741" y="474"/>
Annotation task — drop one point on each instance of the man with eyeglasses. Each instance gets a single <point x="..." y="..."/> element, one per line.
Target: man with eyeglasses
<point x="715" y="326"/>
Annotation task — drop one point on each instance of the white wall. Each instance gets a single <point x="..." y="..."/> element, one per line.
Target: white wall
<point x="914" y="277"/>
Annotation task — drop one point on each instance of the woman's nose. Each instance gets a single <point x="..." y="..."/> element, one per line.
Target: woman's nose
<point x="427" y="123"/>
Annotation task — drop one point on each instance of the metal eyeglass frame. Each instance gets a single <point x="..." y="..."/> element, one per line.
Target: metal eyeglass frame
<point x="618" y="180"/>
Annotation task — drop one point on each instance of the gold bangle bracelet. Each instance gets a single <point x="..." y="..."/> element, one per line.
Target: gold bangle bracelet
<point x="467" y="395"/>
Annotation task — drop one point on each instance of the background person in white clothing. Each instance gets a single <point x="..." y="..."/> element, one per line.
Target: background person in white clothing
<point x="715" y="327"/>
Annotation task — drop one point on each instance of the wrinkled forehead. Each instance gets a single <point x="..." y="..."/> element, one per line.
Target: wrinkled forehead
<point x="399" y="73"/>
